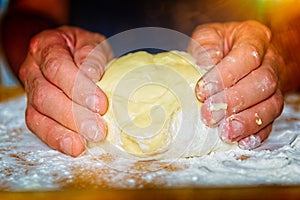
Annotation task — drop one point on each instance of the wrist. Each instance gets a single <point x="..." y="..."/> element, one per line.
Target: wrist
<point x="17" y="29"/>
<point x="286" y="41"/>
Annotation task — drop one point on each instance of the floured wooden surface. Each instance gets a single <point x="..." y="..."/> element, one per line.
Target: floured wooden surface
<point x="28" y="164"/>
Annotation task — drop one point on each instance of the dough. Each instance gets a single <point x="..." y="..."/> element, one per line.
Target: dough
<point x="152" y="106"/>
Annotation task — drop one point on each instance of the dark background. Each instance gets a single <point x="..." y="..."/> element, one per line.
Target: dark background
<point x="113" y="16"/>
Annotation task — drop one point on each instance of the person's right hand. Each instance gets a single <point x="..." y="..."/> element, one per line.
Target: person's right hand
<point x="64" y="104"/>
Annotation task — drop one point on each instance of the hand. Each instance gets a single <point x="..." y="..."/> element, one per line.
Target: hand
<point x="64" y="105"/>
<point x="241" y="91"/>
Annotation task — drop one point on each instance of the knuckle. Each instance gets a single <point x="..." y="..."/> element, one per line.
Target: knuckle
<point x="265" y="30"/>
<point x="248" y="25"/>
<point x="29" y="113"/>
<point x="84" y="52"/>
<point x="96" y="61"/>
<point x="102" y="60"/>
<point x="268" y="32"/>
<point x="252" y="24"/>
<point x="207" y="39"/>
<point x="269" y="80"/>
<point x="33" y="44"/>
<point x="254" y="51"/>
<point x="39" y="94"/>
<point x="88" y="47"/>
<point x="51" y="49"/>
<point x="51" y="67"/>
<point x="236" y="102"/>
<point x="202" y="32"/>
<point x="37" y="40"/>
<point x="278" y="102"/>
<point x="274" y="59"/>
<point x="23" y="73"/>
<point x="275" y="104"/>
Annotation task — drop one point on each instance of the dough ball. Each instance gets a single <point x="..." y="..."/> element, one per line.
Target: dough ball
<point x="152" y="106"/>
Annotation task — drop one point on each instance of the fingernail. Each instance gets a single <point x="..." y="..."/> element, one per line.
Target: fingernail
<point x="93" y="102"/>
<point x="91" y="131"/>
<point x="206" y="89"/>
<point x="66" y="145"/>
<point x="200" y="90"/>
<point x="218" y="111"/>
<point x="214" y="112"/>
<point x="91" y="69"/>
<point x="231" y="129"/>
<point x="250" y="142"/>
<point x="217" y="116"/>
<point x="224" y="133"/>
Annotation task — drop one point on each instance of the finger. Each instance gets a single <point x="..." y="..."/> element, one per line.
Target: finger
<point x="254" y="141"/>
<point x="207" y="44"/>
<point x="52" y="102"/>
<point x="57" y="65"/>
<point x="254" y="88"/>
<point x="243" y="94"/>
<point x="247" y="48"/>
<point x="252" y="120"/>
<point x="91" y="51"/>
<point x="91" y="61"/>
<point x="53" y="134"/>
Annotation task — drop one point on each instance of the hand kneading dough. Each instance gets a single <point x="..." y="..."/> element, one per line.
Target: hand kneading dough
<point x="128" y="82"/>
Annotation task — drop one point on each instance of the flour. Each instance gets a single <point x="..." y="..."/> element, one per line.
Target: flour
<point x="28" y="164"/>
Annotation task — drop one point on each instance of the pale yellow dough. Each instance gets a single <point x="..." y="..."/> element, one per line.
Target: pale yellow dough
<point x="149" y="123"/>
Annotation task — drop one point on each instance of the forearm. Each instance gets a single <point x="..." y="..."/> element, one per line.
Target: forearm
<point x="284" y="22"/>
<point x="19" y="25"/>
<point x="17" y="29"/>
<point x="286" y="39"/>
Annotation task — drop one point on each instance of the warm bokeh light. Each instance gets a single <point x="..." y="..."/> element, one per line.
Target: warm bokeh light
<point x="278" y="11"/>
<point x="186" y="15"/>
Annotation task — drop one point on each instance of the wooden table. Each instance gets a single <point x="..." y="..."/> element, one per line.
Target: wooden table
<point x="249" y="193"/>
<point x="243" y="192"/>
<point x="7" y="93"/>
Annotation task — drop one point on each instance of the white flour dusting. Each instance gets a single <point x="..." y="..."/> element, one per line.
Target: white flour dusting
<point x="28" y="164"/>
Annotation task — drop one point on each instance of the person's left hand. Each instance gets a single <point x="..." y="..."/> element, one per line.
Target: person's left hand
<point x="241" y="91"/>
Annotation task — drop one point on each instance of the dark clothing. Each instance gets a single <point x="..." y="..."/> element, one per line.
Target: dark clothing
<point x="110" y="17"/>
